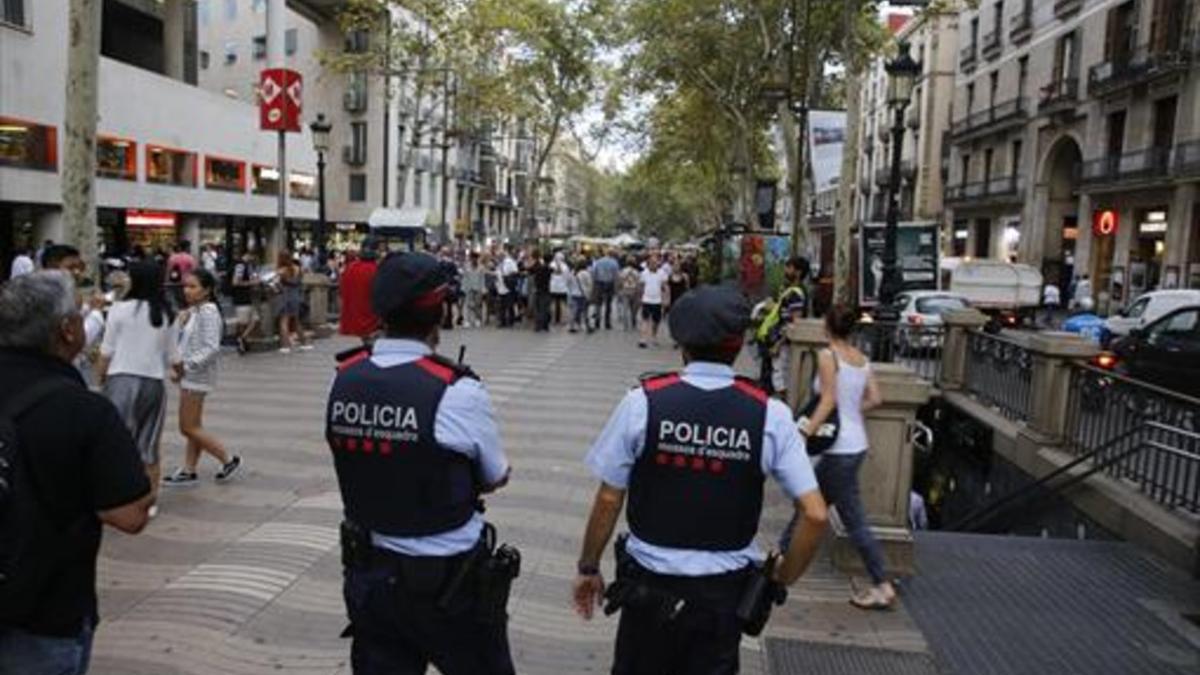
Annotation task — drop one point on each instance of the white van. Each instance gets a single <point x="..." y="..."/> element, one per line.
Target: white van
<point x="1148" y="308"/>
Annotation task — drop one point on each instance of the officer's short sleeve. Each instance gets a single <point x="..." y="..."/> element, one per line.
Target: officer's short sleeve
<point x="466" y="423"/>
<point x="620" y="443"/>
<point x="784" y="456"/>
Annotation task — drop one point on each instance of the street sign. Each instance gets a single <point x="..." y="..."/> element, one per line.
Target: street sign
<point x="1105" y="223"/>
<point x="280" y="92"/>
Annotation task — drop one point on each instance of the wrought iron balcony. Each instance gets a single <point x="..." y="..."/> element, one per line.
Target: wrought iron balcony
<point x="968" y="56"/>
<point x="1065" y="8"/>
<point x="912" y="116"/>
<point x="996" y="118"/>
<point x="1021" y="25"/>
<point x="883" y="176"/>
<point x="991" y="44"/>
<point x="1141" y="66"/>
<point x="993" y="192"/>
<point x="1148" y="165"/>
<point x="1059" y="97"/>
<point x="908" y="170"/>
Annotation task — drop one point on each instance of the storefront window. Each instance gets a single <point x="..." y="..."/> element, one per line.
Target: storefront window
<point x="116" y="158"/>
<point x="172" y="167"/>
<point x="264" y="180"/>
<point x="302" y="186"/>
<point x="27" y="145"/>
<point x="224" y="174"/>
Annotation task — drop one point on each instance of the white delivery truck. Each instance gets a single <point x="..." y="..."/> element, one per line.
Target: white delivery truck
<point x="1008" y="292"/>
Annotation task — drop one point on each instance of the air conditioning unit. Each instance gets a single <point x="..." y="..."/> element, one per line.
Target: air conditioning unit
<point x="354" y="100"/>
<point x="354" y="156"/>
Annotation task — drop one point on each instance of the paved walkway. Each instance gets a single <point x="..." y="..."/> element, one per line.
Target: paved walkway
<point x="245" y="578"/>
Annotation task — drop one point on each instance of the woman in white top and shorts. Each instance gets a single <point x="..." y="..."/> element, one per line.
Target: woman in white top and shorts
<point x="135" y="356"/>
<point x="845" y="380"/>
<point x="201" y="328"/>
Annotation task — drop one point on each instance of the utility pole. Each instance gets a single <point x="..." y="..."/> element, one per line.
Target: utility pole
<point x="445" y="227"/>
<point x="844" y="222"/>
<point x="79" y="156"/>
<point x="276" y="13"/>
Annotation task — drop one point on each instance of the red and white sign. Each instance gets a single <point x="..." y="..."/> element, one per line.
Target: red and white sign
<point x="149" y="220"/>
<point x="280" y="91"/>
<point x="1105" y="223"/>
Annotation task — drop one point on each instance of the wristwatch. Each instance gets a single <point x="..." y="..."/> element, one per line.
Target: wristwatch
<point x="587" y="569"/>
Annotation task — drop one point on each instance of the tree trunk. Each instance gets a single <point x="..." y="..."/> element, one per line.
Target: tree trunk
<point x="848" y="183"/>
<point x="79" y="126"/>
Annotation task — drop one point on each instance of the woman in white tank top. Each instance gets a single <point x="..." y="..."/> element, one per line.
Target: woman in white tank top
<point x="844" y="380"/>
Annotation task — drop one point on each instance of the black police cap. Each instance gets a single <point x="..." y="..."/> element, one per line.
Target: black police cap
<point x="407" y="281"/>
<point x="710" y="316"/>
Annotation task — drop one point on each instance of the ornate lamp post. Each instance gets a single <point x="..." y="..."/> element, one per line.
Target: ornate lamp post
<point x="320" y="129"/>
<point x="902" y="73"/>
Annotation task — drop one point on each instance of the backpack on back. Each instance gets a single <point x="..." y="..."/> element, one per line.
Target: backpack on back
<point x="26" y="527"/>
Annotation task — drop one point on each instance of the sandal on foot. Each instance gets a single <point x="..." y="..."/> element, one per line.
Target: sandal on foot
<point x="871" y="599"/>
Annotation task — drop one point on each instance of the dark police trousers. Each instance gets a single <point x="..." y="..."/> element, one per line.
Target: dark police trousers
<point x="398" y="628"/>
<point x="702" y="639"/>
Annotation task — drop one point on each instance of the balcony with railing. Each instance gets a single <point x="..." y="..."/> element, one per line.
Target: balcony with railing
<point x="883" y="176"/>
<point x="1142" y="66"/>
<point x="991" y="44"/>
<point x="1148" y="165"/>
<point x="1001" y="191"/>
<point x="999" y="117"/>
<point x="1187" y="159"/>
<point x="1066" y="8"/>
<point x="968" y="57"/>
<point x="1021" y="25"/>
<point x="1059" y="97"/>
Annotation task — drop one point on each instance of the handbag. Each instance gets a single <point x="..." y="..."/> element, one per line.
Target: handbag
<point x="825" y="435"/>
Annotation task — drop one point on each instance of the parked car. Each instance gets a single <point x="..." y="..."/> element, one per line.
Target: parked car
<point x="921" y="318"/>
<point x="1165" y="353"/>
<point x="1147" y="308"/>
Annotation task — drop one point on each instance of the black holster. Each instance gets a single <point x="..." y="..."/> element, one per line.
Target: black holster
<point x="356" y="545"/>
<point x="762" y="592"/>
<point x="633" y="588"/>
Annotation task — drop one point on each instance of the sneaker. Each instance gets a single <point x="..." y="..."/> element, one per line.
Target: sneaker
<point x="285" y="350"/>
<point x="306" y="348"/>
<point x="242" y="347"/>
<point x="181" y="477"/>
<point x="641" y="345"/>
<point x="228" y="470"/>
<point x="152" y="512"/>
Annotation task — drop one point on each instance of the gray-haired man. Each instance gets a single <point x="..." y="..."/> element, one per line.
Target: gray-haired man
<point x="73" y="466"/>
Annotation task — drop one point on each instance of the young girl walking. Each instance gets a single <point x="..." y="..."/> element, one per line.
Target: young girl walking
<point x="201" y="327"/>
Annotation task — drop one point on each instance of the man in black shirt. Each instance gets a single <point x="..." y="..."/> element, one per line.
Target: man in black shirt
<point x="84" y="469"/>
<point x="541" y="273"/>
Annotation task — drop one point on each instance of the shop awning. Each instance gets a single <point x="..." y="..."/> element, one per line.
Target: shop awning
<point x="406" y="218"/>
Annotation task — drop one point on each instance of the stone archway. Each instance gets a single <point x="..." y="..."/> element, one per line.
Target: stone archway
<point x="1056" y="201"/>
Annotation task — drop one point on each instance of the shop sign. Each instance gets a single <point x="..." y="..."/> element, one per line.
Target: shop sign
<point x="1105" y="223"/>
<point x="150" y="220"/>
<point x="280" y="91"/>
<point x="1155" y="223"/>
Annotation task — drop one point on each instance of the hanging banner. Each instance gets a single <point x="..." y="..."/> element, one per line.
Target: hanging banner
<point x="280" y="91"/>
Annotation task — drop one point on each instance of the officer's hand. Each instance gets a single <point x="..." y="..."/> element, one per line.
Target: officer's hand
<point x="589" y="593"/>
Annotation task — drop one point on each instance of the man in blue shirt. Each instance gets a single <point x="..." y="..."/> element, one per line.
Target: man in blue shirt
<point x="604" y="273"/>
<point x="691" y="452"/>
<point x="415" y="444"/>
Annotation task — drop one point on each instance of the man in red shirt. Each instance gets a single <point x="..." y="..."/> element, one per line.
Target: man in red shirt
<point x="357" y="317"/>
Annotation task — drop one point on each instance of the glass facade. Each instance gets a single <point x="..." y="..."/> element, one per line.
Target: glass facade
<point x="28" y="145"/>
<point x="264" y="180"/>
<point x="170" y="166"/>
<point x="116" y="158"/>
<point x="224" y="174"/>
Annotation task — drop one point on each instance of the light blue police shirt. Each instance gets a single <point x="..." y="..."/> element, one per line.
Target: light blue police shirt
<point x="621" y="442"/>
<point x="464" y="423"/>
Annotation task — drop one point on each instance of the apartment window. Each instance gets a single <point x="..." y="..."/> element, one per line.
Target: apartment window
<point x="264" y="180"/>
<point x="230" y="53"/>
<point x="170" y="166"/>
<point x="1015" y="159"/>
<point x="291" y="41"/>
<point x="224" y="174"/>
<point x="970" y="98"/>
<point x="1121" y="33"/>
<point x="1116" y="134"/>
<point x="116" y="158"/>
<point x="12" y="12"/>
<point x="1166" y="27"/>
<point x="974" y="32"/>
<point x="1064" y="58"/>
<point x="205" y="58"/>
<point x="358" y="187"/>
<point x="966" y="169"/>
<point x="1022" y="75"/>
<point x="993" y="86"/>
<point x="302" y="186"/>
<point x="357" y="41"/>
<point x="260" y="47"/>
<point x="998" y="21"/>
<point x="231" y="10"/>
<point x="1164" y="122"/>
<point x="418" y="187"/>
<point x="358" y="140"/>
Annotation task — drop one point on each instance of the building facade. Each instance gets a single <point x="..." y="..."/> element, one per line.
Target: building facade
<point x="1076" y="141"/>
<point x="173" y="161"/>
<point x="933" y="42"/>
<point x="564" y="189"/>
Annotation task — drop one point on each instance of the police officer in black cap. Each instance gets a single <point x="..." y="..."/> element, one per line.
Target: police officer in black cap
<point x="691" y="451"/>
<point x="415" y="444"/>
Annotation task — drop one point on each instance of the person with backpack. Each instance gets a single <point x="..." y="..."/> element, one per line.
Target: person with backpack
<point x="135" y="358"/>
<point x="200" y="328"/>
<point x="70" y="466"/>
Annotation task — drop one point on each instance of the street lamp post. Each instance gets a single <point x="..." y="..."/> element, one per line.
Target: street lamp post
<point x="320" y="129"/>
<point x="902" y="73"/>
